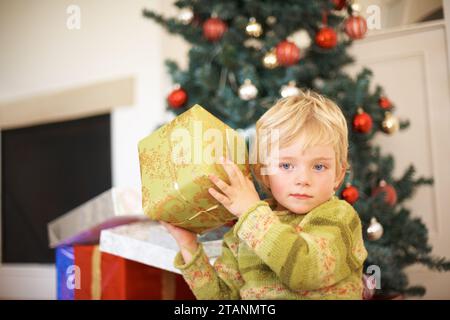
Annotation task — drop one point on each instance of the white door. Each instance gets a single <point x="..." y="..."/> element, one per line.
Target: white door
<point x="411" y="65"/>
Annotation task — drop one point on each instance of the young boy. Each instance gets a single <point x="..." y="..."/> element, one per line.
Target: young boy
<point x="303" y="242"/>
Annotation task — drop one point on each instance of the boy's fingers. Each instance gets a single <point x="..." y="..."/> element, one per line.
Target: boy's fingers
<point x="219" y="197"/>
<point x="238" y="173"/>
<point x="225" y="188"/>
<point x="231" y="172"/>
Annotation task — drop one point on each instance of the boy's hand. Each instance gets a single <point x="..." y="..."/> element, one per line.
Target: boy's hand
<point x="186" y="240"/>
<point x="183" y="237"/>
<point x="237" y="197"/>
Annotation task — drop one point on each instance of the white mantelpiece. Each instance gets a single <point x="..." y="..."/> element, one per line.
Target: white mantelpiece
<point x="69" y="104"/>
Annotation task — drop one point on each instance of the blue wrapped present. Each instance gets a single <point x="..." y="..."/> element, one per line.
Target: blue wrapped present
<point x="66" y="273"/>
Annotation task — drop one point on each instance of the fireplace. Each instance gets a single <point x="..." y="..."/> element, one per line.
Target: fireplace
<point x="47" y="170"/>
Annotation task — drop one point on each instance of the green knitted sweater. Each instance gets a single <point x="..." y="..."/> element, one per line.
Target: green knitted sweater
<point x="280" y="255"/>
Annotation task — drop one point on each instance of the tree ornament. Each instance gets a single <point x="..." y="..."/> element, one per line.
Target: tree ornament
<point x="326" y="38"/>
<point x="350" y="194"/>
<point x="253" y="28"/>
<point x="339" y="4"/>
<point x="214" y="28"/>
<point x="185" y="16"/>
<point x="253" y="43"/>
<point x="390" y="194"/>
<point x="270" y="60"/>
<point x="301" y="39"/>
<point x="287" y="53"/>
<point x="390" y="124"/>
<point x="289" y="90"/>
<point x="375" y="230"/>
<point x="318" y="83"/>
<point x="356" y="8"/>
<point x="355" y="27"/>
<point x="177" y="98"/>
<point x="362" y="122"/>
<point x="247" y="91"/>
<point x="271" y="20"/>
<point x="384" y="103"/>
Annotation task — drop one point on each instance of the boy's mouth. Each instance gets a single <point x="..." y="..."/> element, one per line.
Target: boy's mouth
<point x="301" y="196"/>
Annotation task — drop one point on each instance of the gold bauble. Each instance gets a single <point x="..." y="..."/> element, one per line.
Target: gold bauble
<point x="271" y="20"/>
<point x="390" y="124"/>
<point x="356" y="7"/>
<point x="375" y="230"/>
<point x="270" y="60"/>
<point x="185" y="16"/>
<point x="248" y="91"/>
<point x="289" y="90"/>
<point x="253" y="28"/>
<point x="253" y="43"/>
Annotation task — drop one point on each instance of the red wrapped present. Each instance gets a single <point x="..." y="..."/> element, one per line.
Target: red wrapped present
<point x="131" y="280"/>
<point x="98" y="275"/>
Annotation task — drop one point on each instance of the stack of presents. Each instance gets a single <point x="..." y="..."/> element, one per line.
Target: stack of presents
<point x="113" y="246"/>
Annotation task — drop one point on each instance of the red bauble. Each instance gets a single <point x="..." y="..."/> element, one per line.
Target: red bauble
<point x="287" y="53"/>
<point x="177" y="98"/>
<point x="390" y="194"/>
<point x="326" y="38"/>
<point x="339" y="4"/>
<point x="385" y="103"/>
<point x="355" y="27"/>
<point x="350" y="194"/>
<point x="362" y="122"/>
<point x="213" y="29"/>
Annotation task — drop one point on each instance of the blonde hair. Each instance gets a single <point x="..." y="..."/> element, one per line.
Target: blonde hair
<point x="308" y="115"/>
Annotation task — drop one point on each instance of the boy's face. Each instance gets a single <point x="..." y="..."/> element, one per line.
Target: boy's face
<point x="303" y="180"/>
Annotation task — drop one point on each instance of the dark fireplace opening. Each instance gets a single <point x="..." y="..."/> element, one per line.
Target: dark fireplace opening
<point x="47" y="170"/>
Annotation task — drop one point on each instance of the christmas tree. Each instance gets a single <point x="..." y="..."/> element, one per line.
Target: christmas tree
<point x="246" y="54"/>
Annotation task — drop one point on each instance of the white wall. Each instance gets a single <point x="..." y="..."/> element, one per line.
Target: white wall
<point x="40" y="54"/>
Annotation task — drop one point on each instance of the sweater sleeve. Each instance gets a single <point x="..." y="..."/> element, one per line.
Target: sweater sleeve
<point x="319" y="252"/>
<point x="221" y="281"/>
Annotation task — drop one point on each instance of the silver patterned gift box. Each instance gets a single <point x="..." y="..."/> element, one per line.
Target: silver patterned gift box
<point x="148" y="242"/>
<point x="83" y="225"/>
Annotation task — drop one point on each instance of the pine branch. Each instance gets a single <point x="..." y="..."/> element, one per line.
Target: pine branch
<point x="415" y="291"/>
<point x="435" y="263"/>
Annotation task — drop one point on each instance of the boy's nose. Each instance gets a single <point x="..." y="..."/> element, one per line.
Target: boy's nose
<point x="302" y="182"/>
<point x="302" y="178"/>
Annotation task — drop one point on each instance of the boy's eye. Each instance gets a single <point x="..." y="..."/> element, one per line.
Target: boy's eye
<point x="285" y="166"/>
<point x="319" y="167"/>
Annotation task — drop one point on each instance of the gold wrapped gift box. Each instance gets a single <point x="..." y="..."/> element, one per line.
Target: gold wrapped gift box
<point x="175" y="162"/>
